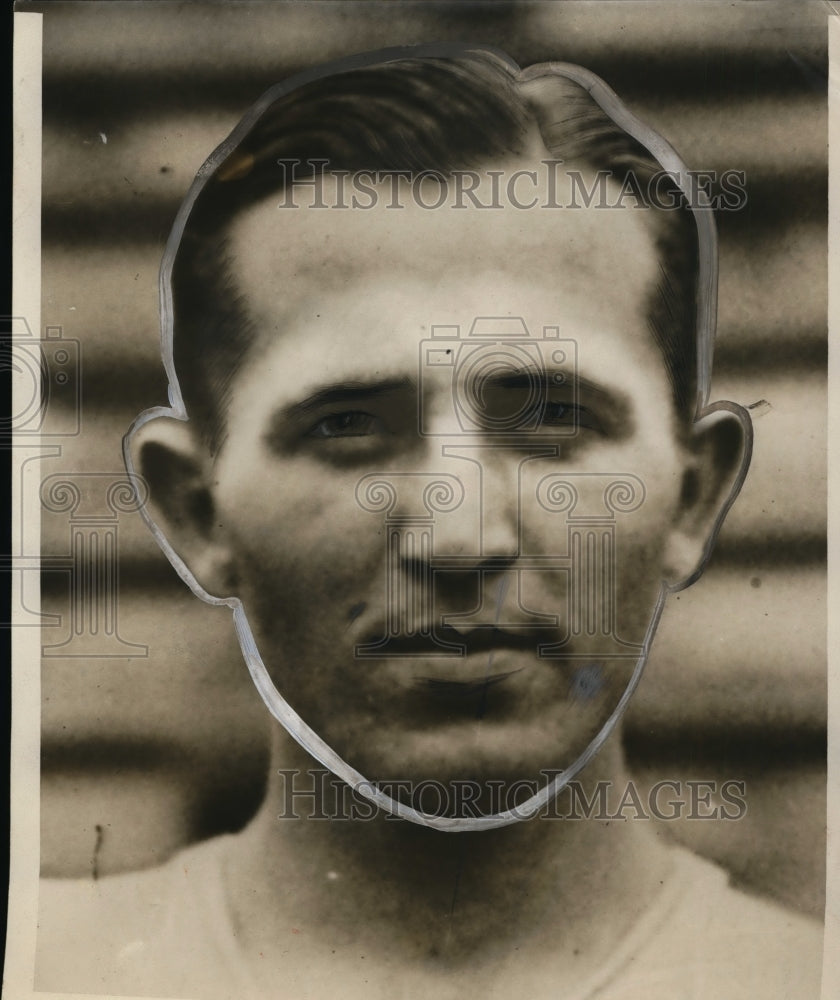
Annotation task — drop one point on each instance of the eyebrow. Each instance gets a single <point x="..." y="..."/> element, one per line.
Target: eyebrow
<point x="343" y="392"/>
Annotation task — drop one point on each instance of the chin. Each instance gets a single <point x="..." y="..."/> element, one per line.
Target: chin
<point x="473" y="764"/>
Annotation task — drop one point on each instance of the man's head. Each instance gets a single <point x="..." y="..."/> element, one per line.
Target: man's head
<point x="463" y="111"/>
<point x="444" y="457"/>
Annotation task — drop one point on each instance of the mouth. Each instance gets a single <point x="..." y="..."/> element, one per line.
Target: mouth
<point x="449" y="641"/>
<point x="466" y="688"/>
<point x="459" y="666"/>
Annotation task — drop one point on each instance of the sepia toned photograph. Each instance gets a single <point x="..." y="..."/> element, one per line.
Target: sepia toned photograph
<point x="421" y="500"/>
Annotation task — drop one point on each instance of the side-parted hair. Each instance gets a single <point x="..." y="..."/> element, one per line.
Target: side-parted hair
<point x="437" y="108"/>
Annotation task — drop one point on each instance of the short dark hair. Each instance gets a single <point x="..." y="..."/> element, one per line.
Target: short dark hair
<point x="442" y="110"/>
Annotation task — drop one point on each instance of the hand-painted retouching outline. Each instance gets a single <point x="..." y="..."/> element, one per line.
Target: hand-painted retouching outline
<point x="701" y="208"/>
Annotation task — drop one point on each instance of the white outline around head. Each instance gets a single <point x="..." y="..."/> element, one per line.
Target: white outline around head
<point x="279" y="708"/>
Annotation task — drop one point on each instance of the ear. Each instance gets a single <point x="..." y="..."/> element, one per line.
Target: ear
<point x="177" y="469"/>
<point x="717" y="458"/>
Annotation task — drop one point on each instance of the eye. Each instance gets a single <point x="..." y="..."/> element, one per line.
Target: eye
<point x="557" y="414"/>
<point x="352" y="423"/>
<point x="554" y="414"/>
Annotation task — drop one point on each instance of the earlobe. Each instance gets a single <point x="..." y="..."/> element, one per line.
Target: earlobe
<point x="718" y="456"/>
<point x="177" y="470"/>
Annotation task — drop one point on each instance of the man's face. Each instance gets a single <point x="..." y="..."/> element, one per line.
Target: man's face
<point x="363" y="582"/>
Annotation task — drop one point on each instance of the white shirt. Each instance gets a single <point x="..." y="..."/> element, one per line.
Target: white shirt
<point x="168" y="932"/>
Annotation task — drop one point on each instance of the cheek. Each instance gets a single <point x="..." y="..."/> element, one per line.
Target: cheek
<point x="618" y="561"/>
<point x="641" y="540"/>
<point x="300" y="542"/>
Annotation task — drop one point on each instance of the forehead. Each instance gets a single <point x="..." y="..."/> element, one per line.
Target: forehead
<point x="334" y="282"/>
<point x="331" y="244"/>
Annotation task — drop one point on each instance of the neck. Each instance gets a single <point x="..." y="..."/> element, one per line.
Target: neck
<point x="423" y="896"/>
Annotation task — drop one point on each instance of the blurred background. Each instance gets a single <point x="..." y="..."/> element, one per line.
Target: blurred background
<point x="152" y="733"/>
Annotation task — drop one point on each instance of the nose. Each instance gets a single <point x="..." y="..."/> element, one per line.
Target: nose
<point x="453" y="545"/>
<point x="471" y="549"/>
<point x="482" y="530"/>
